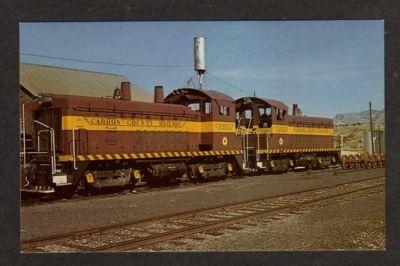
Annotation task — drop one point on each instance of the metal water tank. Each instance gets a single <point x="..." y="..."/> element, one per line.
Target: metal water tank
<point x="200" y="54"/>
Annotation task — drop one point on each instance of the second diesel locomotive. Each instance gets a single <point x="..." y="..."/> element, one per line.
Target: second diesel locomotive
<point x="275" y="140"/>
<point x="91" y="142"/>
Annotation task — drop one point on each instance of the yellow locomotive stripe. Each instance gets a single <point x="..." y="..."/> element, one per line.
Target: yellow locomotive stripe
<point x="297" y="150"/>
<point x="135" y="124"/>
<point x="65" y="158"/>
<point x="92" y="157"/>
<point x="294" y="130"/>
<point x="139" y="124"/>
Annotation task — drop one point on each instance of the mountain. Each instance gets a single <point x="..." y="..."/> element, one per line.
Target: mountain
<point x="353" y="125"/>
<point x="378" y="118"/>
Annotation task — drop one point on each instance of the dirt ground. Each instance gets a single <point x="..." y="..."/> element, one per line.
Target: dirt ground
<point x="357" y="224"/>
<point x="353" y="225"/>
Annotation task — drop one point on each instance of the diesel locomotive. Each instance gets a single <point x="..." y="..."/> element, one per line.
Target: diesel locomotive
<point x="80" y="142"/>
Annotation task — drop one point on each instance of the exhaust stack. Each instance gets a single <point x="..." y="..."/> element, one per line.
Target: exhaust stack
<point x="158" y="94"/>
<point x="295" y="109"/>
<point x="126" y="91"/>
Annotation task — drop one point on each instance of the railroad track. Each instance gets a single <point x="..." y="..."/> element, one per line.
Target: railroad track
<point x="147" y="189"/>
<point x="147" y="233"/>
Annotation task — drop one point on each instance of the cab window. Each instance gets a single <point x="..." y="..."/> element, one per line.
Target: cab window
<point x="207" y="108"/>
<point x="248" y="114"/>
<point x="224" y="110"/>
<point x="280" y="114"/>
<point x="265" y="111"/>
<point x="194" y="107"/>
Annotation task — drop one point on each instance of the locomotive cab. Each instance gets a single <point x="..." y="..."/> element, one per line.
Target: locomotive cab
<point x="252" y="112"/>
<point x="217" y="116"/>
<point x="257" y="120"/>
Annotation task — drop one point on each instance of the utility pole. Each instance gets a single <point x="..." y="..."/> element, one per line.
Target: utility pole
<point x="372" y="132"/>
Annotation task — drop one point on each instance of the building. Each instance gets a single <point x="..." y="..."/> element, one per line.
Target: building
<point x="35" y="79"/>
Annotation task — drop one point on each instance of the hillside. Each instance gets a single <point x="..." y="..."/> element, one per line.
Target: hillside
<point x="353" y="125"/>
<point x="378" y="118"/>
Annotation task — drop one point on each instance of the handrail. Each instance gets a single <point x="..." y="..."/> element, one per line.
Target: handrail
<point x="238" y="125"/>
<point x="52" y="145"/>
<point x="23" y="132"/>
<point x="248" y="127"/>
<point x="38" y="137"/>
<point x="258" y="147"/>
<point x="74" y="148"/>
<point x="267" y="137"/>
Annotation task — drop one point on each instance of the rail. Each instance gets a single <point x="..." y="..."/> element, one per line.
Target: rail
<point x="221" y="216"/>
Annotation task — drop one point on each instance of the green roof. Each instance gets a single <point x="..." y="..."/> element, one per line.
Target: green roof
<point x="41" y="79"/>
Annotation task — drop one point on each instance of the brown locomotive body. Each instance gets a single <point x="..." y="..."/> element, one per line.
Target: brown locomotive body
<point x="275" y="140"/>
<point x="102" y="142"/>
<point x="91" y="142"/>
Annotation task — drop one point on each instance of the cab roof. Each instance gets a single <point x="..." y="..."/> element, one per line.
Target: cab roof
<point x="271" y="102"/>
<point x="188" y="92"/>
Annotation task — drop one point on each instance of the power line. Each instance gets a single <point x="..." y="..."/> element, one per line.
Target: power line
<point x="101" y="62"/>
<point x="228" y="83"/>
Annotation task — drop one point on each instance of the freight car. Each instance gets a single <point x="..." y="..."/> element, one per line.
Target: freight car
<point x="92" y="143"/>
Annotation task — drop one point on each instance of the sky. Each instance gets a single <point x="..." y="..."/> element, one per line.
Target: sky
<point x="327" y="67"/>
